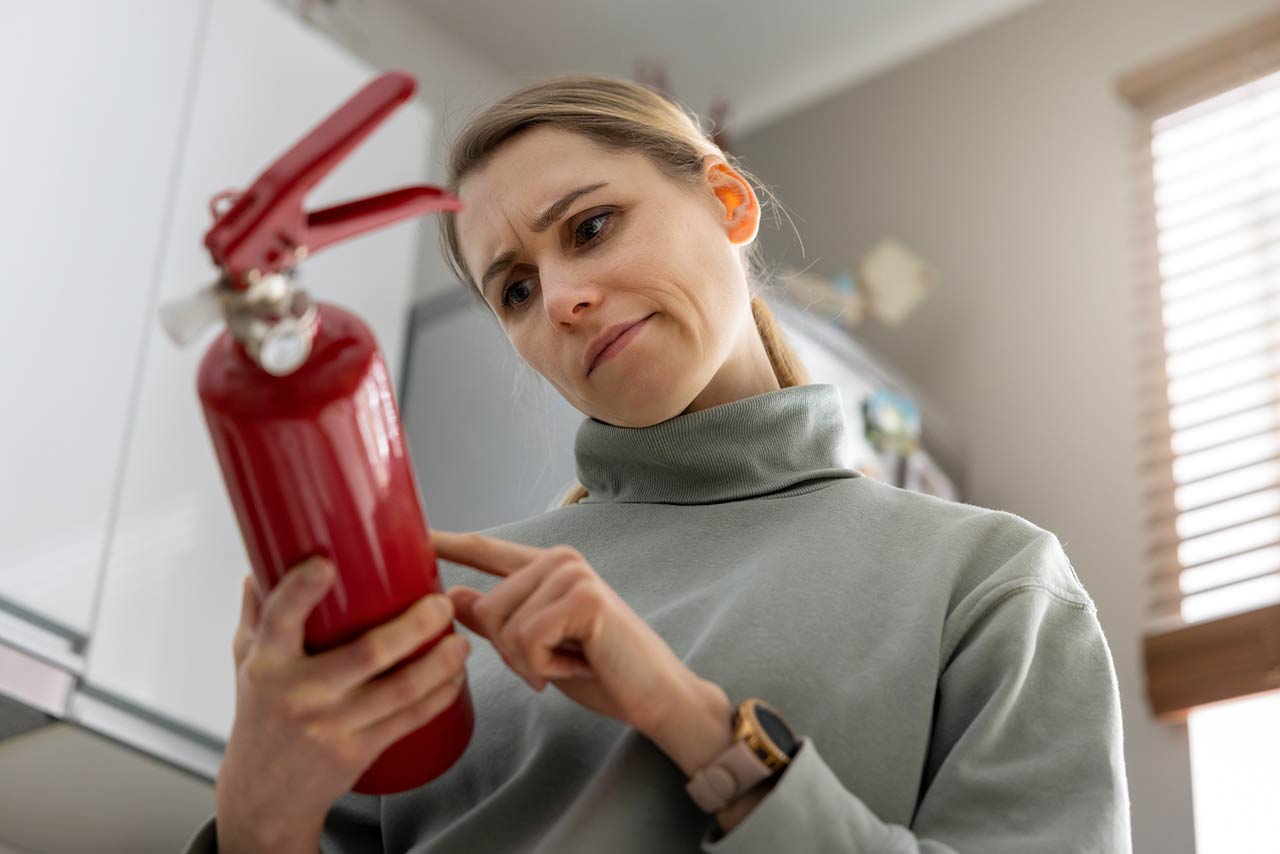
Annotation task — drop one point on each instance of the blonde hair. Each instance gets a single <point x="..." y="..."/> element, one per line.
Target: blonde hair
<point x="621" y="116"/>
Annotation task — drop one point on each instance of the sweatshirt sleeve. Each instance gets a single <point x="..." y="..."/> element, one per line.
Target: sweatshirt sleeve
<point x="352" y="826"/>
<point x="1025" y="753"/>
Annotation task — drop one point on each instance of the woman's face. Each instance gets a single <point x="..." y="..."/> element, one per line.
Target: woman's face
<point x="558" y="266"/>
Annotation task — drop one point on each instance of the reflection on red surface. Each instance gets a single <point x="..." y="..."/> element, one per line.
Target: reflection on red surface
<point x="315" y="463"/>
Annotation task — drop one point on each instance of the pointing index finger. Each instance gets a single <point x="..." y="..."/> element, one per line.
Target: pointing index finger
<point x="487" y="554"/>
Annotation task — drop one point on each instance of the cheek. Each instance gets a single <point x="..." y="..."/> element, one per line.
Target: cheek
<point x="533" y="346"/>
<point x="657" y="257"/>
<point x="519" y="338"/>
<point x="690" y="254"/>
<point x="639" y="269"/>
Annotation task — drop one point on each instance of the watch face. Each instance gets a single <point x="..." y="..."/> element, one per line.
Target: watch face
<point x="777" y="731"/>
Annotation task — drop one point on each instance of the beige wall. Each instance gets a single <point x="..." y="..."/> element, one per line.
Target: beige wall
<point x="1003" y="159"/>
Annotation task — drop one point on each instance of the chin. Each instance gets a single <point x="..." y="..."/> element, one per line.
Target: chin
<point x="647" y="396"/>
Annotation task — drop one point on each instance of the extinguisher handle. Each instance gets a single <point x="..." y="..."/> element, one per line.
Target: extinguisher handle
<point x="339" y="222"/>
<point x="266" y="228"/>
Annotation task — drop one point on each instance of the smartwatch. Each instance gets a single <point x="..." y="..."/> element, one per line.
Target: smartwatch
<point x="763" y="746"/>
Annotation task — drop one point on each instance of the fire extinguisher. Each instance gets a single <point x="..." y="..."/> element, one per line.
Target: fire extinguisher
<point x="302" y="414"/>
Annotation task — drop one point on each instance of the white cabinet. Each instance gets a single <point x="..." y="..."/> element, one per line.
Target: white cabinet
<point x="171" y="588"/>
<point x="94" y="100"/>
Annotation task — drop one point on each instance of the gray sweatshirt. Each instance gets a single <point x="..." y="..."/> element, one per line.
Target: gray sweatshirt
<point x="941" y="663"/>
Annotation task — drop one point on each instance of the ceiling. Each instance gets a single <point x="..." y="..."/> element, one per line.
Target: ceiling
<point x="767" y="58"/>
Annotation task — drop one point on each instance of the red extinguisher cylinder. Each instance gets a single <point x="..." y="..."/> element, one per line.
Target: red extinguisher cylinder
<point x="315" y="463"/>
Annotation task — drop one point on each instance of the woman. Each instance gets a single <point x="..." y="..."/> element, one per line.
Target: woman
<point x="940" y="665"/>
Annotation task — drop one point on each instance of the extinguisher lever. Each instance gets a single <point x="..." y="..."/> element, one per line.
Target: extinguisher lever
<point x="266" y="229"/>
<point x="339" y="222"/>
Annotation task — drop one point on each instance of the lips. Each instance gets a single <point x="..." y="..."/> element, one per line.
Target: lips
<point x="602" y="341"/>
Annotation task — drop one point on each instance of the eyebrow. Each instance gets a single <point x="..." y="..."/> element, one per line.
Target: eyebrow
<point x="543" y="221"/>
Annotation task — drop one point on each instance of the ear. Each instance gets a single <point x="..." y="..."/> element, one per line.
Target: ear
<point x="738" y="207"/>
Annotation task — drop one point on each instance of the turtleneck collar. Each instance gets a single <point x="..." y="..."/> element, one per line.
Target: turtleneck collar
<point x="742" y="449"/>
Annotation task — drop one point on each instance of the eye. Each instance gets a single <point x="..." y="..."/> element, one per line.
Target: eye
<point x="602" y="218"/>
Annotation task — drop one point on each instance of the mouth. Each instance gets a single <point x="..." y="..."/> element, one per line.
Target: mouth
<point x="617" y="342"/>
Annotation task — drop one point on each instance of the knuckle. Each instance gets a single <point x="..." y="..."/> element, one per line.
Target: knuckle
<point x="450" y="656"/>
<point x="511" y="636"/>
<point x="461" y="647"/>
<point x="293" y="707"/>
<point x="351" y="752"/>
<point x="448" y="613"/>
<point x="447" y="691"/>
<point x="276" y="620"/>
<point x="427" y="673"/>
<point x="566" y="552"/>
<point x="576" y="572"/>
<point x="357" y="747"/>
<point x="406" y="688"/>
<point x="425" y="709"/>
<point x="420" y="620"/>
<point x="288" y="587"/>
<point x="317" y="733"/>
<point x="300" y="573"/>
<point x="257" y="670"/>
<point x="370" y="651"/>
<point x="525" y="636"/>
<point x="423" y="705"/>
<point x="585" y="594"/>
<point x="415" y="713"/>
<point x="429" y="617"/>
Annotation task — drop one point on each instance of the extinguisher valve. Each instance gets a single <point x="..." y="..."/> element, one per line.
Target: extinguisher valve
<point x="274" y="320"/>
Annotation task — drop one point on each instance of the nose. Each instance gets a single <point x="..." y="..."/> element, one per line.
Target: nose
<point x="565" y="296"/>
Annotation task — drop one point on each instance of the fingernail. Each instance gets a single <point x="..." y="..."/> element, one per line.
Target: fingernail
<point x="317" y="571"/>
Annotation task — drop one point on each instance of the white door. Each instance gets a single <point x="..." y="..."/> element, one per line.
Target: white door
<point x="94" y="99"/>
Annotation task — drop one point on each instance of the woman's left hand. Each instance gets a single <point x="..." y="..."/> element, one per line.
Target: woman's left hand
<point x="552" y="618"/>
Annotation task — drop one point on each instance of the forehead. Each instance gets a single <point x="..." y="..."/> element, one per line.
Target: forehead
<point x="523" y="177"/>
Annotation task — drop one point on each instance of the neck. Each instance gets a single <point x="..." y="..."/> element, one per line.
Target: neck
<point x="746" y="373"/>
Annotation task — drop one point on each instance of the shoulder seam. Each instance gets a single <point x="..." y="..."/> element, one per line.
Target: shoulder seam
<point x="1038" y="585"/>
<point x="993" y="599"/>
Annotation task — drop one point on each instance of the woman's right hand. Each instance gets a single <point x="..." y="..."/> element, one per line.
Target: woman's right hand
<point x="307" y="726"/>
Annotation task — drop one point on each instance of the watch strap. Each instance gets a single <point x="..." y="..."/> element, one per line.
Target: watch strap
<point x="730" y="775"/>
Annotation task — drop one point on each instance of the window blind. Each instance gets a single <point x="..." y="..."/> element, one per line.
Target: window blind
<point x="1207" y="168"/>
